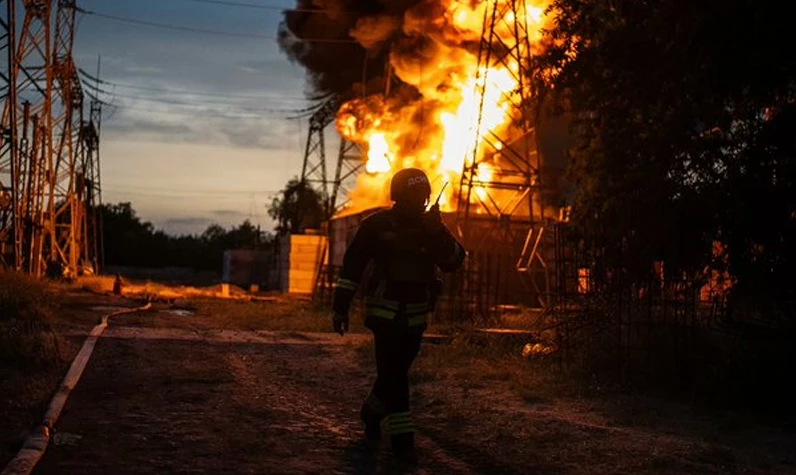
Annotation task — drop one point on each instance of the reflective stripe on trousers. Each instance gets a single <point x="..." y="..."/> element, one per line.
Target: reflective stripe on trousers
<point x="400" y="423"/>
<point x="388" y="310"/>
<point x="347" y="284"/>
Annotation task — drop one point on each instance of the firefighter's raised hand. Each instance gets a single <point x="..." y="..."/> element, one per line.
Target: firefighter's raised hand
<point x="340" y="323"/>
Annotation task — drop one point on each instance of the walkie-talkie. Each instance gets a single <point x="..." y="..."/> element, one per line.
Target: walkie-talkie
<point x="435" y="206"/>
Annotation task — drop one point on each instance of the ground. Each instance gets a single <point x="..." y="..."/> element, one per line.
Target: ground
<point x="224" y="390"/>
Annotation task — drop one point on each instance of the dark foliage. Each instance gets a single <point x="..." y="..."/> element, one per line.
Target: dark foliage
<point x="299" y="207"/>
<point x="128" y="241"/>
<point x="685" y="113"/>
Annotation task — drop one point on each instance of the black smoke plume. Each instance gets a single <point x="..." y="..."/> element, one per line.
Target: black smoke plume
<point x="343" y="44"/>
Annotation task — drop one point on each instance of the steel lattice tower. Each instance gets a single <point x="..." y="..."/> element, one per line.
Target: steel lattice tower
<point x="349" y="164"/>
<point x="36" y="162"/>
<point x="46" y="156"/>
<point x="66" y="210"/>
<point x="314" y="170"/>
<point x="8" y="137"/>
<point x="91" y="175"/>
<point x="503" y="209"/>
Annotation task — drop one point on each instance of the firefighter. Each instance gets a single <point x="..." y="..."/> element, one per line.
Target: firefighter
<point x="406" y="244"/>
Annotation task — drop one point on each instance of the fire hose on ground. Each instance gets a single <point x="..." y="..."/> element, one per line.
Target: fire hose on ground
<point x="36" y="443"/>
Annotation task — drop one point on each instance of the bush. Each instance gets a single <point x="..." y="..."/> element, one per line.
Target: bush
<point x="27" y="310"/>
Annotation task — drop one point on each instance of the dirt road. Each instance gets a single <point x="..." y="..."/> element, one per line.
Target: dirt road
<point x="177" y="400"/>
<point x="174" y="401"/>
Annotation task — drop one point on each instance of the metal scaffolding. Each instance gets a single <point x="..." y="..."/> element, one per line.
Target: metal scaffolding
<point x="45" y="204"/>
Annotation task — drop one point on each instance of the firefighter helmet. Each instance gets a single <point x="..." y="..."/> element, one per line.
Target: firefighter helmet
<point x="410" y="183"/>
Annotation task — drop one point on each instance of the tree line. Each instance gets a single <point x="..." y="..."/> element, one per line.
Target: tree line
<point x="130" y="241"/>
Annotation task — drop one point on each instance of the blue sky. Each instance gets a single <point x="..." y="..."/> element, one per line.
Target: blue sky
<point x="176" y="144"/>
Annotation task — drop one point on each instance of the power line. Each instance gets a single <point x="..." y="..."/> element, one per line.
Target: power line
<point x="123" y="187"/>
<point x="194" y="93"/>
<point x="265" y="110"/>
<point x="191" y="29"/>
<point x="187" y="113"/>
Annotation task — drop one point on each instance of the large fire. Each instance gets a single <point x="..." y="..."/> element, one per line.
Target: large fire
<point x="459" y="104"/>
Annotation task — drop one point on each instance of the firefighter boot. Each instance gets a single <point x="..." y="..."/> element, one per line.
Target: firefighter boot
<point x="372" y="421"/>
<point x="403" y="447"/>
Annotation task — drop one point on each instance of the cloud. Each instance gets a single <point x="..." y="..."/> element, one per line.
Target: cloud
<point x="228" y="213"/>
<point x="161" y="125"/>
<point x="143" y="127"/>
<point x="179" y="222"/>
<point x="261" y="66"/>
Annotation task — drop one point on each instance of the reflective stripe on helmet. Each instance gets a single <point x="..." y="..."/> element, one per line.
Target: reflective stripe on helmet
<point x="407" y="180"/>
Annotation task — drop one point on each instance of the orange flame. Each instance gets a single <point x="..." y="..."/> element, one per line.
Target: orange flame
<point x="461" y="104"/>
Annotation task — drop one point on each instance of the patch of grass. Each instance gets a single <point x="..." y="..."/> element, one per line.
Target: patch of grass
<point x="480" y="361"/>
<point x="27" y="310"/>
<point x="33" y="357"/>
<point x="284" y="313"/>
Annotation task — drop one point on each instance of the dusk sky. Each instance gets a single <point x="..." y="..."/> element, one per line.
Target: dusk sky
<point x="179" y="145"/>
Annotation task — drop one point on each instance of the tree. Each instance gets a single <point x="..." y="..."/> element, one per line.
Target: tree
<point x="298" y="208"/>
<point x="126" y="237"/>
<point x="683" y="114"/>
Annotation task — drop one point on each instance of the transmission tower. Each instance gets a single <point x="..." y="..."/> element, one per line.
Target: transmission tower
<point x="500" y="204"/>
<point x="65" y="238"/>
<point x="349" y="164"/>
<point x="36" y="161"/>
<point x="8" y="140"/>
<point x="313" y="171"/>
<point x="91" y="176"/>
<point x="43" y="157"/>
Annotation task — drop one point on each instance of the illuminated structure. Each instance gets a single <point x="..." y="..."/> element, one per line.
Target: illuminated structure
<point x="49" y="161"/>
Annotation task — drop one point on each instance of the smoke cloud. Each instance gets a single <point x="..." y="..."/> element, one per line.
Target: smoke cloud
<point x="343" y="44"/>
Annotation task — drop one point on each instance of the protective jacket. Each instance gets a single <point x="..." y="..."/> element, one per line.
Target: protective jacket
<point x="406" y="252"/>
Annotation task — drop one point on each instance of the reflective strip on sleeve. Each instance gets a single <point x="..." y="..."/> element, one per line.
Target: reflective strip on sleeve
<point x="400" y="423"/>
<point x="347" y="284"/>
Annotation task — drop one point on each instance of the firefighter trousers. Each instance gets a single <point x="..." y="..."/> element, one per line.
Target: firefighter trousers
<point x="396" y="349"/>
